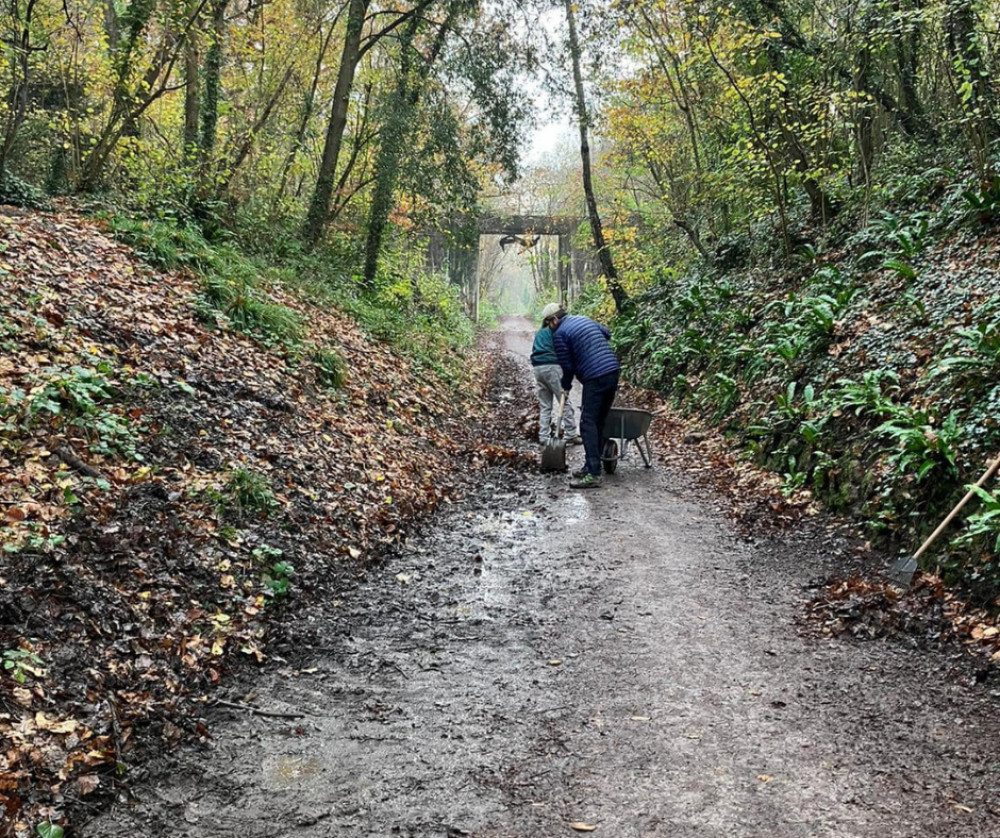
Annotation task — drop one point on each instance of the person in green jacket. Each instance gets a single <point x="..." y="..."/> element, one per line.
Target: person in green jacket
<point x="548" y="375"/>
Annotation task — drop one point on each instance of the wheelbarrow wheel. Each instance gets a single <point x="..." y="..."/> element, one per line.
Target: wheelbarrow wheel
<point x="609" y="457"/>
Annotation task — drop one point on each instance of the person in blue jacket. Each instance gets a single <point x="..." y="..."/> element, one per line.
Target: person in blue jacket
<point x="548" y="377"/>
<point x="584" y="353"/>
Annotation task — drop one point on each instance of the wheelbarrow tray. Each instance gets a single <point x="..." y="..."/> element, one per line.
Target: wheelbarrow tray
<point x="625" y="425"/>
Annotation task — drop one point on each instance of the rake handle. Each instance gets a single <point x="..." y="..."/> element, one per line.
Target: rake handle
<point x="951" y="515"/>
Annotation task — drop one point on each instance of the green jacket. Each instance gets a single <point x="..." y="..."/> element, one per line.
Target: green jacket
<point x="543" y="351"/>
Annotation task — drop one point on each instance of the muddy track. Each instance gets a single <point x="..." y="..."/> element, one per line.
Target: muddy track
<point x="615" y="658"/>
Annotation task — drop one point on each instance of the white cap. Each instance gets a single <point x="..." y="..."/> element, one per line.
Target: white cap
<point x="549" y="310"/>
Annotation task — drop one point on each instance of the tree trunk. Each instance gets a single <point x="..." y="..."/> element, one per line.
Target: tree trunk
<point x="694" y="237"/>
<point x="131" y="99"/>
<point x="907" y="56"/>
<point x="192" y="97"/>
<point x="596" y="229"/>
<point x="319" y="206"/>
<point x="394" y="134"/>
<point x="208" y="134"/>
<point x="307" y="112"/>
<point x="864" y="121"/>
<point x="246" y="144"/>
<point x="18" y="93"/>
<point x="975" y="86"/>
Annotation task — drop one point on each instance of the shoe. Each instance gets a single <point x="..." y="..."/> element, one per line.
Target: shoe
<point x="588" y="481"/>
<point x="580" y="472"/>
<point x="575" y="440"/>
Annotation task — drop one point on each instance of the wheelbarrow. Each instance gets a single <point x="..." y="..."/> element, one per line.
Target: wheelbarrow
<point x="625" y="425"/>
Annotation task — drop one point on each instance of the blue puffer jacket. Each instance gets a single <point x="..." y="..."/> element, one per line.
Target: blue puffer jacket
<point x="583" y="350"/>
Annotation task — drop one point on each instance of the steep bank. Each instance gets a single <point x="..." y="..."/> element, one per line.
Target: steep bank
<point x="862" y="372"/>
<point x="170" y="485"/>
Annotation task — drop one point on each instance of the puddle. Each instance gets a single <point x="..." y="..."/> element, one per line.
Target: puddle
<point x="282" y="771"/>
<point x="578" y="509"/>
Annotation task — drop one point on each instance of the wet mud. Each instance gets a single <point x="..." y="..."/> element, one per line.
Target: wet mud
<point x="613" y="658"/>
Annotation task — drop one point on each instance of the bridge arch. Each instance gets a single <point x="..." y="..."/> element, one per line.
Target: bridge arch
<point x="461" y="260"/>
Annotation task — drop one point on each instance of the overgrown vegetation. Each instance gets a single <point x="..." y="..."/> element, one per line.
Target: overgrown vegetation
<point x="80" y="397"/>
<point x="414" y="311"/>
<point x="869" y="381"/>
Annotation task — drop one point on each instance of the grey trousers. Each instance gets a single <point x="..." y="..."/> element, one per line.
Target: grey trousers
<point x="548" y="377"/>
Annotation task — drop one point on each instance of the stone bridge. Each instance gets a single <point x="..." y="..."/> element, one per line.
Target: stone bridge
<point x="461" y="260"/>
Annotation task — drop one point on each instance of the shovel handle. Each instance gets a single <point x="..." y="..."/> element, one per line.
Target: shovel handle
<point x="951" y="515"/>
<point x="558" y="421"/>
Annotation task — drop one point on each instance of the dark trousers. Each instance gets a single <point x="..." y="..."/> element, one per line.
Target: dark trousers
<point x="598" y="396"/>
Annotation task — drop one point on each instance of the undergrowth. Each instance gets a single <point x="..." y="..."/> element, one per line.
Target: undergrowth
<point x="417" y="313"/>
<point x="864" y="368"/>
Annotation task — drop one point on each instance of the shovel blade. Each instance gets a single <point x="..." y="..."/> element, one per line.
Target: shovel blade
<point x="902" y="570"/>
<point x="554" y="455"/>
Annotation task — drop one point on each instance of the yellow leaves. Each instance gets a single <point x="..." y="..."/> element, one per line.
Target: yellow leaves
<point x="60" y="726"/>
<point x="582" y="826"/>
<point x="253" y="650"/>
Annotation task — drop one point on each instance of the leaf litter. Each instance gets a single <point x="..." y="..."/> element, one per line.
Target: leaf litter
<point x="155" y="475"/>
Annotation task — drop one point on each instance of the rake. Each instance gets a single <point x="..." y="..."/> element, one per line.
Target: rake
<point x="902" y="570"/>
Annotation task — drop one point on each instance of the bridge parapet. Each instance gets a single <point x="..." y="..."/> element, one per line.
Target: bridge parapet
<point x="541" y="225"/>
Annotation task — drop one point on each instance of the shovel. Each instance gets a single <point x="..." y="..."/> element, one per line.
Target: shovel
<point x="554" y="452"/>
<point x="902" y="570"/>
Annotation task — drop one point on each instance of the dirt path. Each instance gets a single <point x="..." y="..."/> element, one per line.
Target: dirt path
<point x="613" y="657"/>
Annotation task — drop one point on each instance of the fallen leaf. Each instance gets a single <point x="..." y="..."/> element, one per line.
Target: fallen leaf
<point x="580" y="826"/>
<point x="87" y="783"/>
<point x="765" y="778"/>
<point x="54" y="725"/>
